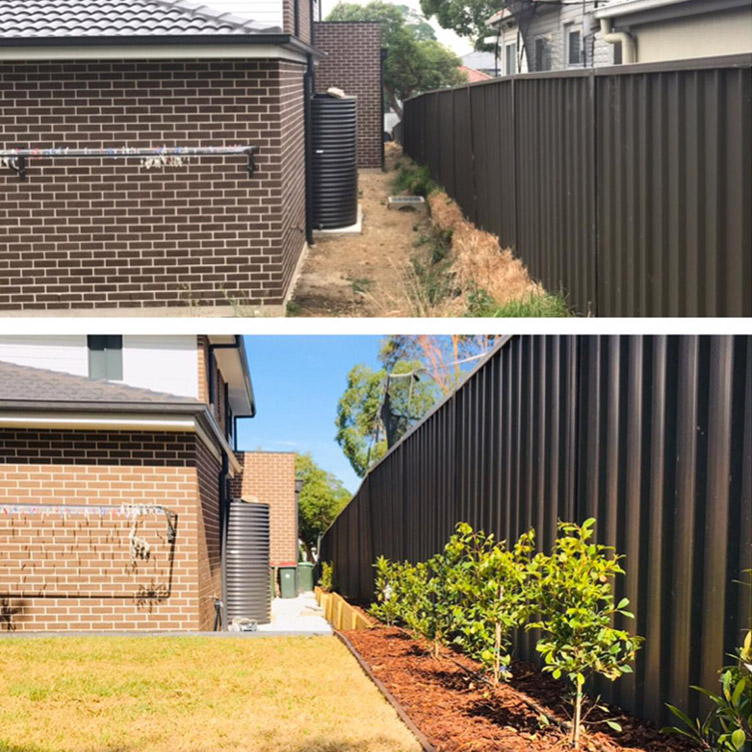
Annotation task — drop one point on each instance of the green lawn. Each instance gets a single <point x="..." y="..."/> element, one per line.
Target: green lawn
<point x="191" y="694"/>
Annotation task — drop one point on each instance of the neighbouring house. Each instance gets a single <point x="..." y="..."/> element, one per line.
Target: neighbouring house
<point x="117" y="470"/>
<point x="91" y="217"/>
<point x="473" y="76"/>
<point x="486" y="62"/>
<point x="538" y="35"/>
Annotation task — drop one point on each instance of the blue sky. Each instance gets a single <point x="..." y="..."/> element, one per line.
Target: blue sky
<point x="298" y="381"/>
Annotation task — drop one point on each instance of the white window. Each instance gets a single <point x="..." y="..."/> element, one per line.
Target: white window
<point x="573" y="37"/>
<point x="510" y="58"/>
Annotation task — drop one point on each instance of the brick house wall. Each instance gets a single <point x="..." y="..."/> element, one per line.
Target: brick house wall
<point x="109" y="233"/>
<point x="353" y="63"/>
<point x="304" y="18"/>
<point x="75" y="573"/>
<point x="269" y="477"/>
<point x="218" y="409"/>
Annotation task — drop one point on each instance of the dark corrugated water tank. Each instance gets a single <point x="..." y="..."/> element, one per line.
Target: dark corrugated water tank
<point x="334" y="162"/>
<point x="247" y="562"/>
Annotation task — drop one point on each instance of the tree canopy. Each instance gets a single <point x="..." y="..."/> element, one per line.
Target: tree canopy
<point x="466" y="17"/>
<point x="321" y="499"/>
<point x="415" y="60"/>
<point x="379" y="406"/>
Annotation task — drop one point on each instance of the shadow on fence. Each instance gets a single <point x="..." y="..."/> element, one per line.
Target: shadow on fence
<point x="628" y="188"/>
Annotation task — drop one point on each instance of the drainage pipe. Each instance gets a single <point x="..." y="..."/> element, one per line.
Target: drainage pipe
<point x="224" y="516"/>
<point x="628" y="52"/>
<point x="308" y="87"/>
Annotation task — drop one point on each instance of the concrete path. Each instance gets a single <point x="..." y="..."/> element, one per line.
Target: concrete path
<point x="301" y="615"/>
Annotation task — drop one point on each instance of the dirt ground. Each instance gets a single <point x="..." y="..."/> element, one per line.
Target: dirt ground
<point x="362" y="275"/>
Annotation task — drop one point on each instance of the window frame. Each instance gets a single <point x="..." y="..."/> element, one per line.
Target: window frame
<point x="105" y="356"/>
<point x="569" y="30"/>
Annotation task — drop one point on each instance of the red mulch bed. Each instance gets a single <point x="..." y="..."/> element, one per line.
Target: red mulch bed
<point x="458" y="713"/>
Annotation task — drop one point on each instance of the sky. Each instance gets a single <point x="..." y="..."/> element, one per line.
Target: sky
<point x="456" y="43"/>
<point x="297" y="381"/>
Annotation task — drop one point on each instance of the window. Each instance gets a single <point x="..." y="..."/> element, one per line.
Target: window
<point x="574" y="47"/>
<point x="511" y="58"/>
<point x="106" y="356"/>
<point x="542" y="54"/>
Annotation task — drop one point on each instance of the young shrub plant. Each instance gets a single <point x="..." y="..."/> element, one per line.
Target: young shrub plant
<point x="389" y="603"/>
<point x="573" y="603"/>
<point x="490" y="585"/>
<point x="728" y="725"/>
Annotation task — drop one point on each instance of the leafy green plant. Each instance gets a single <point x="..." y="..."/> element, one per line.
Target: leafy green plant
<point x="728" y="725"/>
<point x="326" y="581"/>
<point x="389" y="605"/>
<point x="490" y="582"/>
<point x="572" y="599"/>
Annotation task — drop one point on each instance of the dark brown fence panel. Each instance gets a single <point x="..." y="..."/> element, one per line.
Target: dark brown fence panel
<point x="675" y="164"/>
<point x="432" y="133"/>
<point x="555" y="183"/>
<point x="464" y="178"/>
<point x="627" y="187"/>
<point x="650" y="435"/>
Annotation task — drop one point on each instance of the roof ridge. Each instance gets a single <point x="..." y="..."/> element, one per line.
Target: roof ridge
<point x="212" y="14"/>
<point x="102" y="383"/>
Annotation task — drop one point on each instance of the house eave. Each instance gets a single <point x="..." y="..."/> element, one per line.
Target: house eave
<point x="227" y="46"/>
<point x="118" y="417"/>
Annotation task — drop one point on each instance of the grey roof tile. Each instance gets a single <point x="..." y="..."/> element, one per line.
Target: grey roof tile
<point x="35" y="19"/>
<point x="25" y="384"/>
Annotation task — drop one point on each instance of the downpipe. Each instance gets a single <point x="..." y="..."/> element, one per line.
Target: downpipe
<point x="626" y="40"/>
<point x="308" y="85"/>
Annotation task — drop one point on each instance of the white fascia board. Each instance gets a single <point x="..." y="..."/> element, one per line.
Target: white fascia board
<point x="154" y="52"/>
<point x="119" y="422"/>
<point x="633" y="6"/>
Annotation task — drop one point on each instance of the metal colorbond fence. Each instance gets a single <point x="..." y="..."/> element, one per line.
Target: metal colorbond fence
<point x="628" y="187"/>
<point x="650" y="435"/>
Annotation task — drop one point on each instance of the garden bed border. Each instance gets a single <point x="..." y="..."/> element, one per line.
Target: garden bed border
<point x="401" y="712"/>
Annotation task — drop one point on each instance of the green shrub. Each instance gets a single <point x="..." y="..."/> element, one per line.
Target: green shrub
<point x="571" y="594"/>
<point x="389" y="604"/>
<point x="543" y="305"/>
<point x="728" y="725"/>
<point x="326" y="581"/>
<point x="415" y="180"/>
<point x="492" y="595"/>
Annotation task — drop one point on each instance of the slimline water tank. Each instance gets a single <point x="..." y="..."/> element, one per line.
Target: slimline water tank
<point x="247" y="562"/>
<point x="334" y="162"/>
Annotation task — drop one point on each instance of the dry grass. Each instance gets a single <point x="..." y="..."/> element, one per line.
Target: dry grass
<point x="478" y="260"/>
<point x="191" y="694"/>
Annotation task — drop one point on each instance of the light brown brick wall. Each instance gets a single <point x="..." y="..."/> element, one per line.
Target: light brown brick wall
<point x="61" y="573"/>
<point x="353" y="63"/>
<point x="269" y="477"/>
<point x="107" y="233"/>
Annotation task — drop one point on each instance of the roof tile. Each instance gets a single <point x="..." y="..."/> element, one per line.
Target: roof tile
<point x="114" y="18"/>
<point x="25" y="384"/>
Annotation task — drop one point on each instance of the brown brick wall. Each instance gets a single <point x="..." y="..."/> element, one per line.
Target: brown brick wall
<point x="107" y="233"/>
<point x="220" y="385"/>
<point x="304" y="18"/>
<point x="269" y="477"/>
<point x="61" y="573"/>
<point x="353" y="63"/>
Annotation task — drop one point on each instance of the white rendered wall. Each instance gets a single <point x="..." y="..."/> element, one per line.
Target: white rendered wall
<point x="66" y="353"/>
<point x="162" y="363"/>
<point x="264" y="11"/>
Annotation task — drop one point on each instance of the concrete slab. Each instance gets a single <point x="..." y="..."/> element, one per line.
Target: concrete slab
<point x="356" y="229"/>
<point x="301" y="615"/>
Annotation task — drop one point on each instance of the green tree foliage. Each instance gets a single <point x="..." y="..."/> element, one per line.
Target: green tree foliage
<point x="326" y="581"/>
<point x="490" y="594"/>
<point x="321" y="499"/>
<point x="415" y="60"/>
<point x="571" y="592"/>
<point x="360" y="429"/>
<point x="466" y="17"/>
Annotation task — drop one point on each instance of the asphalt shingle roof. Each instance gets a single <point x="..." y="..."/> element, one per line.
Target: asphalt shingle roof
<point x="25" y="384"/>
<point x="119" y="18"/>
